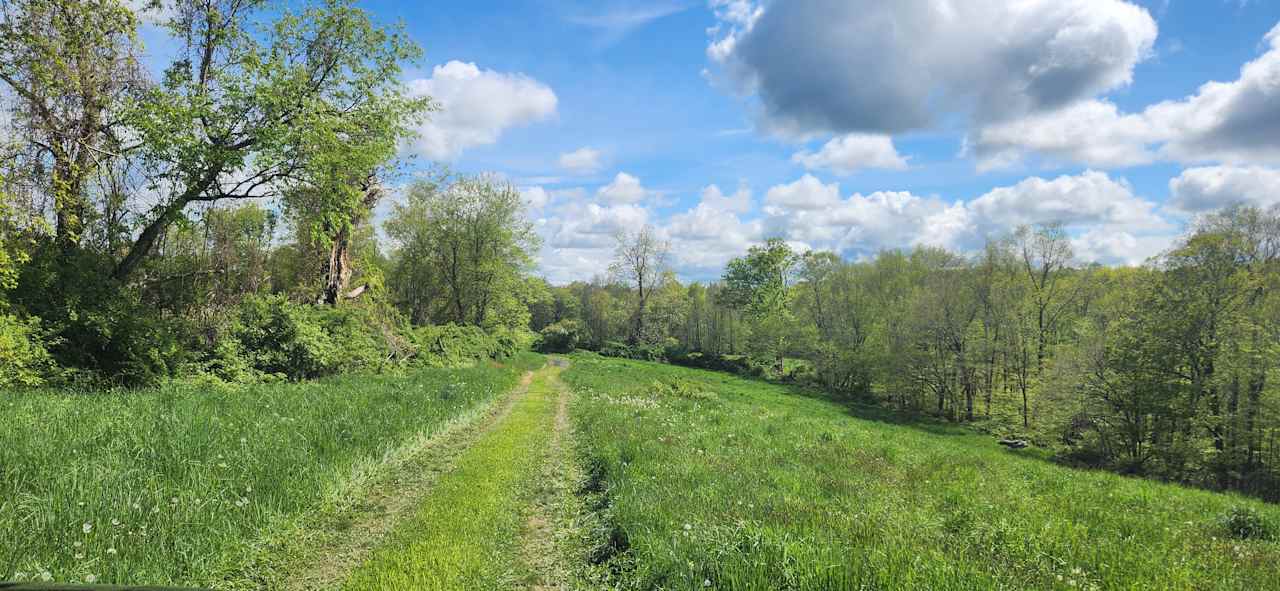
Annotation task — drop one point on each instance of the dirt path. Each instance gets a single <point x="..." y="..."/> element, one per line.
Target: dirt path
<point x="355" y="531"/>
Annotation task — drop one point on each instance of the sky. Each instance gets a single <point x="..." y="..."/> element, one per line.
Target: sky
<point x="851" y="125"/>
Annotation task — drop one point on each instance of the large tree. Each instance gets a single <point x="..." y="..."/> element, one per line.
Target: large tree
<point x="640" y="260"/>
<point x="464" y="245"/>
<point x="311" y="101"/>
<point x="71" y="65"/>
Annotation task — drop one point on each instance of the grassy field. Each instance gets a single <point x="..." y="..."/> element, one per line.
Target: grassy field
<point x="699" y="480"/>
<point x="467" y="534"/>
<point x="176" y="485"/>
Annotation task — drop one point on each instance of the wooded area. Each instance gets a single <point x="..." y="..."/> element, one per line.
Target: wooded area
<point x="1167" y="370"/>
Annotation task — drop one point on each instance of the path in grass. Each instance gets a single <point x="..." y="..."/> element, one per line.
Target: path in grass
<point x="485" y="523"/>
<point x="339" y="543"/>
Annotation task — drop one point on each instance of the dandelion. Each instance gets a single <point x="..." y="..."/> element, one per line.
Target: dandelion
<point x="687" y="527"/>
<point x="91" y="579"/>
<point x="706" y="582"/>
<point x="87" y="527"/>
<point x="111" y="551"/>
<point x="79" y="555"/>
<point x="78" y="544"/>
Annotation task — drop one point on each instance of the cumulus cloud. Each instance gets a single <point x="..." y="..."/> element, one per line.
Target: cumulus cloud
<point x="1102" y="213"/>
<point x="1212" y="187"/>
<point x="476" y="107"/>
<point x="738" y="202"/>
<point x="623" y="189"/>
<point x="850" y="153"/>
<point x="1235" y="122"/>
<point x="811" y="212"/>
<point x="889" y="67"/>
<point x="1090" y="198"/>
<point x="581" y="161"/>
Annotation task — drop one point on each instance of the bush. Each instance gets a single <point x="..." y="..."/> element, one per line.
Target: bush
<point x="450" y="345"/>
<point x="24" y="360"/>
<point x="276" y="336"/>
<point x="1245" y="523"/>
<point x="561" y="337"/>
<point x="99" y="327"/>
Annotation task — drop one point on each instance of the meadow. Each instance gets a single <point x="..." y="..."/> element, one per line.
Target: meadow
<point x="179" y="485"/>
<point x="699" y="480"/>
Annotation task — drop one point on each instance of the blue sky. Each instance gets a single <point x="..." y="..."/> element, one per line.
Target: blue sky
<point x="942" y="122"/>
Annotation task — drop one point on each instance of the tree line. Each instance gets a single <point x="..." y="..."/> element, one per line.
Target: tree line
<point x="1168" y="369"/>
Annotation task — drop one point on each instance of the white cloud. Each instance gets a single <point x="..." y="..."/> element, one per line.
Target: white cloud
<point x="1090" y="198"/>
<point x="535" y="197"/>
<point x="581" y="161"/>
<point x="615" y="20"/>
<point x="811" y="212"/>
<point x="1234" y="122"/>
<point x="738" y="202"/>
<point x="624" y="189"/>
<point x="1090" y="132"/>
<point x="887" y="67"/>
<point x="1213" y="187"/>
<point x="1102" y="213"/>
<point x="805" y="194"/>
<point x="1111" y="246"/>
<point x="477" y="106"/>
<point x="850" y="153"/>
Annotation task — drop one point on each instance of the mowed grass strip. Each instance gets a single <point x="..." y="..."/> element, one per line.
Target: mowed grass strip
<point x="702" y="480"/>
<point x="467" y="533"/>
<point x="176" y="485"/>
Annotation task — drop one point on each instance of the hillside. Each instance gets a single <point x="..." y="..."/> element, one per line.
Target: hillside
<point x="704" y="480"/>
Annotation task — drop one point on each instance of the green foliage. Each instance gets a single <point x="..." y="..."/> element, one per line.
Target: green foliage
<point x="464" y="246"/>
<point x="24" y="361"/>
<point x="451" y="345"/>
<point x="561" y="337"/>
<point x="1246" y="523"/>
<point x="272" y="336"/>
<point x="97" y="327"/>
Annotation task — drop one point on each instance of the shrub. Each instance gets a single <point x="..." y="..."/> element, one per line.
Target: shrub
<point x="24" y="360"/>
<point x="450" y="345"/>
<point x="561" y="337"/>
<point x="1245" y="523"/>
<point x="276" y="336"/>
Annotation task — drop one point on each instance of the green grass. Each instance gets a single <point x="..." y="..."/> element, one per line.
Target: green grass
<point x="467" y="533"/>
<point x="173" y="485"/>
<point x="716" y="482"/>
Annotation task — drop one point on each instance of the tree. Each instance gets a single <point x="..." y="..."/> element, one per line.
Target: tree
<point x="72" y="66"/>
<point x="640" y="259"/>
<point x="464" y="245"/>
<point x="312" y="101"/>
<point x="759" y="285"/>
<point x="1045" y="252"/>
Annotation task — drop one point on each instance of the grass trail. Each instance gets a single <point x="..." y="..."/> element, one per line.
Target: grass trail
<point x="322" y="552"/>
<point x="471" y="530"/>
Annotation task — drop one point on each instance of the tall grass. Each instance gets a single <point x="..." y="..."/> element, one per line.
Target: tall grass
<point x="707" y="481"/>
<point x="172" y="485"/>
